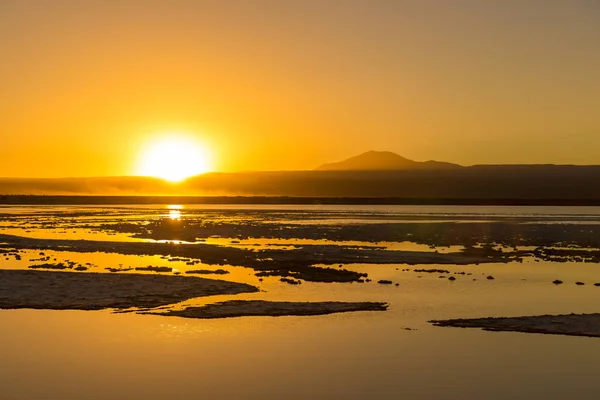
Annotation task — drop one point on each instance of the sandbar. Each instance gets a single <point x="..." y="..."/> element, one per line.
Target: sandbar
<point x="246" y="308"/>
<point x="95" y="291"/>
<point x="569" y="324"/>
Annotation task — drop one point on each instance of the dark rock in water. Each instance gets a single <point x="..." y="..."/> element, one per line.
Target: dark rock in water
<point x="208" y="271"/>
<point x="291" y="281"/>
<point x="433" y="271"/>
<point x="597" y="284"/>
<point x="241" y="308"/>
<point x="452" y="278"/>
<point x="96" y="291"/>
<point x="397" y="284"/>
<point x="557" y="281"/>
<point x="580" y="283"/>
<point x="155" y="269"/>
<point x="317" y="274"/>
<point x="300" y="262"/>
<point x="385" y="282"/>
<point x="490" y="277"/>
<point x="118" y="269"/>
<point x="49" y="266"/>
<point x="571" y="324"/>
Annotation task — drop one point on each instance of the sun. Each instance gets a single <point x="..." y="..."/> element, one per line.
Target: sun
<point x="174" y="158"/>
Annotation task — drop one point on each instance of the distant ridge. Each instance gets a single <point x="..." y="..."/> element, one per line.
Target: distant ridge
<point x="382" y="161"/>
<point x="365" y="178"/>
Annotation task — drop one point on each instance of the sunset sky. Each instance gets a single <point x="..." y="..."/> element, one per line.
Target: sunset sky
<point x="268" y="85"/>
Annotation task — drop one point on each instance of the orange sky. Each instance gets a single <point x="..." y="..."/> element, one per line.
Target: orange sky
<point x="270" y="85"/>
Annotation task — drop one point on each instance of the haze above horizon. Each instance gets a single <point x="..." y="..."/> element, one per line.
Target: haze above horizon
<point x="272" y="85"/>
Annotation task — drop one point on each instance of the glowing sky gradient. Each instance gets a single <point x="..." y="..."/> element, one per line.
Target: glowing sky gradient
<point x="271" y="85"/>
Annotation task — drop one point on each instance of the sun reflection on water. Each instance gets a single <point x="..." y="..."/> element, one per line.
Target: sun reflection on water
<point x="175" y="211"/>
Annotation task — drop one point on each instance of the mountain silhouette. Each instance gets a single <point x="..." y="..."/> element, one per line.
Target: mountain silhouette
<point x="382" y="161"/>
<point x="370" y="175"/>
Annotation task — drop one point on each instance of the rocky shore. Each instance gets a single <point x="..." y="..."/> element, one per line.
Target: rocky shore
<point x="570" y="324"/>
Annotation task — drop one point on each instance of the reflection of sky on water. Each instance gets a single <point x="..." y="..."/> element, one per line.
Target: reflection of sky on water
<point x="351" y="356"/>
<point x="357" y="355"/>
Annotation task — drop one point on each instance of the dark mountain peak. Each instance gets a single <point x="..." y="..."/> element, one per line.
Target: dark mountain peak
<point x="381" y="161"/>
<point x="380" y="156"/>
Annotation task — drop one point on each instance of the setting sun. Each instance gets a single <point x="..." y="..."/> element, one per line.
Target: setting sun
<point x="173" y="158"/>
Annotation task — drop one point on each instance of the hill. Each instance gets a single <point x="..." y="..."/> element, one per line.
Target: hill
<point x="369" y="175"/>
<point x="382" y="161"/>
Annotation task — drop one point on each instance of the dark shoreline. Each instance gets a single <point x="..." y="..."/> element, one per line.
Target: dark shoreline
<point x="44" y="290"/>
<point x="283" y="200"/>
<point x="587" y="325"/>
<point x="97" y="291"/>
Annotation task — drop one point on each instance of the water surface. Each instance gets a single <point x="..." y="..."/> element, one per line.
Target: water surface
<point x="385" y="355"/>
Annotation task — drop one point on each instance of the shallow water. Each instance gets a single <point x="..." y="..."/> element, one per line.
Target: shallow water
<point x="375" y="355"/>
